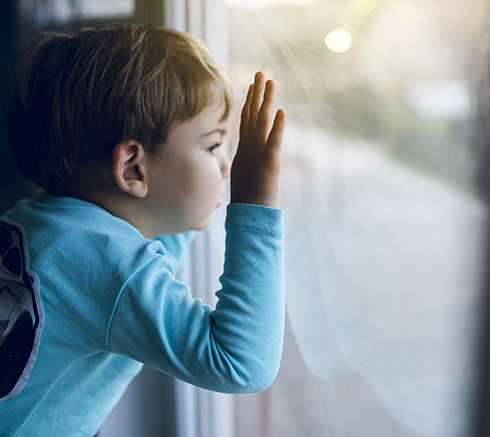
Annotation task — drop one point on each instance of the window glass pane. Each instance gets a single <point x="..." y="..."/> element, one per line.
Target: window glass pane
<point x="38" y="13"/>
<point x="384" y="225"/>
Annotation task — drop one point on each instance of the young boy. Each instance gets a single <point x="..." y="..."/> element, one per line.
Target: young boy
<point x="122" y="126"/>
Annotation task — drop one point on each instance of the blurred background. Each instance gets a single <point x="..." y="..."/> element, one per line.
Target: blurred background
<point x="385" y="192"/>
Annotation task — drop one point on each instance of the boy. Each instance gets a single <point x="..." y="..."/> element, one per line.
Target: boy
<point x="122" y="127"/>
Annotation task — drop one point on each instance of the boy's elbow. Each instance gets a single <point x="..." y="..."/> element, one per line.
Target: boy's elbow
<point x="255" y="384"/>
<point x="248" y="367"/>
<point x="260" y="383"/>
<point x="254" y="376"/>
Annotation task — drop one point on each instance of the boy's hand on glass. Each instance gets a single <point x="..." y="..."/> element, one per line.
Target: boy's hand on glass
<point x="257" y="164"/>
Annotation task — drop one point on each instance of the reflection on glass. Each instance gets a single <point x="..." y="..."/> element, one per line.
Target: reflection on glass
<point x="384" y="228"/>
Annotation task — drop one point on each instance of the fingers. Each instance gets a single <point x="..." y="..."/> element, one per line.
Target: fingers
<point x="258" y="111"/>
<point x="276" y="135"/>
<point x="258" y="91"/>
<point x="246" y="113"/>
<point x="266" y="113"/>
<point x="258" y="125"/>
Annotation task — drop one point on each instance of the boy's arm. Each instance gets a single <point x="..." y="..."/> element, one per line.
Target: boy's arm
<point x="237" y="347"/>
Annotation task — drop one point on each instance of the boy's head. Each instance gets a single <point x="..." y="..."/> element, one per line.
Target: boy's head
<point x="78" y="95"/>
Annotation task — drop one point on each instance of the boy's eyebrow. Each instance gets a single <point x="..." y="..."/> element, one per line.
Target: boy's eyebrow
<point x="223" y="132"/>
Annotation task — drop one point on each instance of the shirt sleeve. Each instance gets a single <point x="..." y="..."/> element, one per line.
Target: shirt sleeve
<point x="236" y="347"/>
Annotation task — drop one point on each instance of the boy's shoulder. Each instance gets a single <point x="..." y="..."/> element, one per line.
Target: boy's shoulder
<point x="51" y="213"/>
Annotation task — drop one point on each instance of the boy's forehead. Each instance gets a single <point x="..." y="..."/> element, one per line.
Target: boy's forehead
<point x="213" y="117"/>
<point x="220" y="108"/>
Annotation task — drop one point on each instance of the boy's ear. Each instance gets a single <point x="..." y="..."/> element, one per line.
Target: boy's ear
<point x="128" y="168"/>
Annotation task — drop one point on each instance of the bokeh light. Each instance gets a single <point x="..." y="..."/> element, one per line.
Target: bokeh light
<point x="339" y="40"/>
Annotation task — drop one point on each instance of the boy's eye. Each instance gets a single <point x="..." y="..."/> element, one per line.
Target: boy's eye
<point x="213" y="148"/>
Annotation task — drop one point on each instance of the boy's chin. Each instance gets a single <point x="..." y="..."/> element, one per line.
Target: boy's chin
<point x="193" y="224"/>
<point x="198" y="225"/>
<point x="203" y="226"/>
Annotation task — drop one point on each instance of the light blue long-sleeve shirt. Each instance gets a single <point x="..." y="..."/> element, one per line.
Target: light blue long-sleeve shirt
<point x="111" y="302"/>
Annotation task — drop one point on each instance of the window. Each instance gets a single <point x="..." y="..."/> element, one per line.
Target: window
<point x="385" y="232"/>
<point x="40" y="13"/>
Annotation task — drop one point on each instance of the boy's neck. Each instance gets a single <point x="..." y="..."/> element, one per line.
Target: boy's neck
<point x="99" y="188"/>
